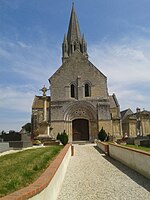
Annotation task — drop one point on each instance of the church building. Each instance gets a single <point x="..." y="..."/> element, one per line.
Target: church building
<point x="79" y="102"/>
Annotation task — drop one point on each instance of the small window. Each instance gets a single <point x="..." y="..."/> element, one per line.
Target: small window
<point x="72" y="91"/>
<point x="87" y="90"/>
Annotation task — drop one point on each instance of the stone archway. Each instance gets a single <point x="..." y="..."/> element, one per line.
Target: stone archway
<point x="80" y="129"/>
<point x="81" y="111"/>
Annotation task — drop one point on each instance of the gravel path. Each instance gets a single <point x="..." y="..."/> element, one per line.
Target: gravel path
<point x="92" y="175"/>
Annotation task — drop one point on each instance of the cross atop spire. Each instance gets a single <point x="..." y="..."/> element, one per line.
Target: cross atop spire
<point x="73" y="40"/>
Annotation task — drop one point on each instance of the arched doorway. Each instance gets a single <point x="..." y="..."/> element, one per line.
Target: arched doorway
<point x="80" y="129"/>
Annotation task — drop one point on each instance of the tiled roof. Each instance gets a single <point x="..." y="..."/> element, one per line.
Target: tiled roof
<point x="38" y="102"/>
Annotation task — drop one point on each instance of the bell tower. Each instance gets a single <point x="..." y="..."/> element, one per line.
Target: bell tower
<point x="73" y="41"/>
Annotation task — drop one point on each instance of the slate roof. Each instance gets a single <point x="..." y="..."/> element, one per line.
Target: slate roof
<point x="125" y="113"/>
<point x="130" y="115"/>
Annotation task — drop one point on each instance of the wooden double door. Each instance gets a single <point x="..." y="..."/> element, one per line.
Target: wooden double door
<point x="80" y="129"/>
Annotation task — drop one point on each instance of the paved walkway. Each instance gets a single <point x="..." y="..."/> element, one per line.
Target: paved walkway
<point x="92" y="175"/>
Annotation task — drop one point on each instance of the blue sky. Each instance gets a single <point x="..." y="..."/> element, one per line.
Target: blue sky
<point x="118" y="37"/>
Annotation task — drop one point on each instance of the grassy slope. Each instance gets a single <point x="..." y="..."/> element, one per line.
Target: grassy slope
<point x="20" y="169"/>
<point x="138" y="147"/>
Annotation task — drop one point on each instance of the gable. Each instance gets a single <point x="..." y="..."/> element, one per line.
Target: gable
<point x="76" y="59"/>
<point x="126" y="113"/>
<point x="79" y="67"/>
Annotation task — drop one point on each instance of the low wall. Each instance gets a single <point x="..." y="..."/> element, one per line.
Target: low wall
<point x="48" y="185"/>
<point x="20" y="144"/>
<point x="103" y="146"/>
<point x="135" y="159"/>
<point x="4" y="146"/>
<point x="145" y="143"/>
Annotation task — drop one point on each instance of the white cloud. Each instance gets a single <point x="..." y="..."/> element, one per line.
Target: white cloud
<point x="130" y="97"/>
<point x="23" y="63"/>
<point x="23" y="45"/>
<point x="31" y="61"/>
<point x="142" y="28"/>
<point x="15" y="106"/>
<point x="18" y="98"/>
<point x="127" y="67"/>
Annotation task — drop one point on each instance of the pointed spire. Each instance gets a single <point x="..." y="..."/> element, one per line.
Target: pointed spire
<point x="83" y="39"/>
<point x="84" y="46"/>
<point x="74" y="29"/>
<point x="65" y="39"/>
<point x="73" y="41"/>
<point x="65" y="48"/>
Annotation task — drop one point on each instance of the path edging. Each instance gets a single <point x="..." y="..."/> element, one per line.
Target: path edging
<point x="133" y="158"/>
<point x="44" y="185"/>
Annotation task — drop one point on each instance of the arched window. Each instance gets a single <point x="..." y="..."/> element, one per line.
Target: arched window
<point x="87" y="90"/>
<point x="72" y="90"/>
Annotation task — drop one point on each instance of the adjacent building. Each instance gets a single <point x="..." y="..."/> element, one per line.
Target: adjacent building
<point x="134" y="124"/>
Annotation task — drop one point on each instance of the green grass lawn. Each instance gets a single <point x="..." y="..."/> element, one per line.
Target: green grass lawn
<point x="138" y="147"/>
<point x="20" y="169"/>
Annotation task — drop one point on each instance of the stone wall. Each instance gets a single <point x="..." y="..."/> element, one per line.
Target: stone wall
<point x="103" y="146"/>
<point x="135" y="159"/>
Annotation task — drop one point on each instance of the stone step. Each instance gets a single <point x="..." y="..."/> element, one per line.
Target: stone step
<point x="48" y="143"/>
<point x="81" y="142"/>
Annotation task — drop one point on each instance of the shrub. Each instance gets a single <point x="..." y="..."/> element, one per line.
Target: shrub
<point x="102" y="135"/>
<point x="36" y="142"/>
<point x="58" y="136"/>
<point x="63" y="137"/>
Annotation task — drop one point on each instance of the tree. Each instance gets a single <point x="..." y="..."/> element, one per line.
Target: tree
<point x="102" y="135"/>
<point x="63" y="137"/>
<point x="27" y="127"/>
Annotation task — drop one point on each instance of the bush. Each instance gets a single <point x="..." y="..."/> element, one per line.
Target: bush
<point x="58" y="136"/>
<point x="36" y="142"/>
<point x="63" y="137"/>
<point x="102" y="135"/>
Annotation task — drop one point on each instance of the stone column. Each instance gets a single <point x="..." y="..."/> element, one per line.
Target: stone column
<point x="138" y="124"/>
<point x="44" y="90"/>
<point x="44" y="109"/>
<point x="48" y="131"/>
<point x="79" y="90"/>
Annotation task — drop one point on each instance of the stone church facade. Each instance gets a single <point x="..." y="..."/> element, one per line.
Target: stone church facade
<point x="79" y="101"/>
